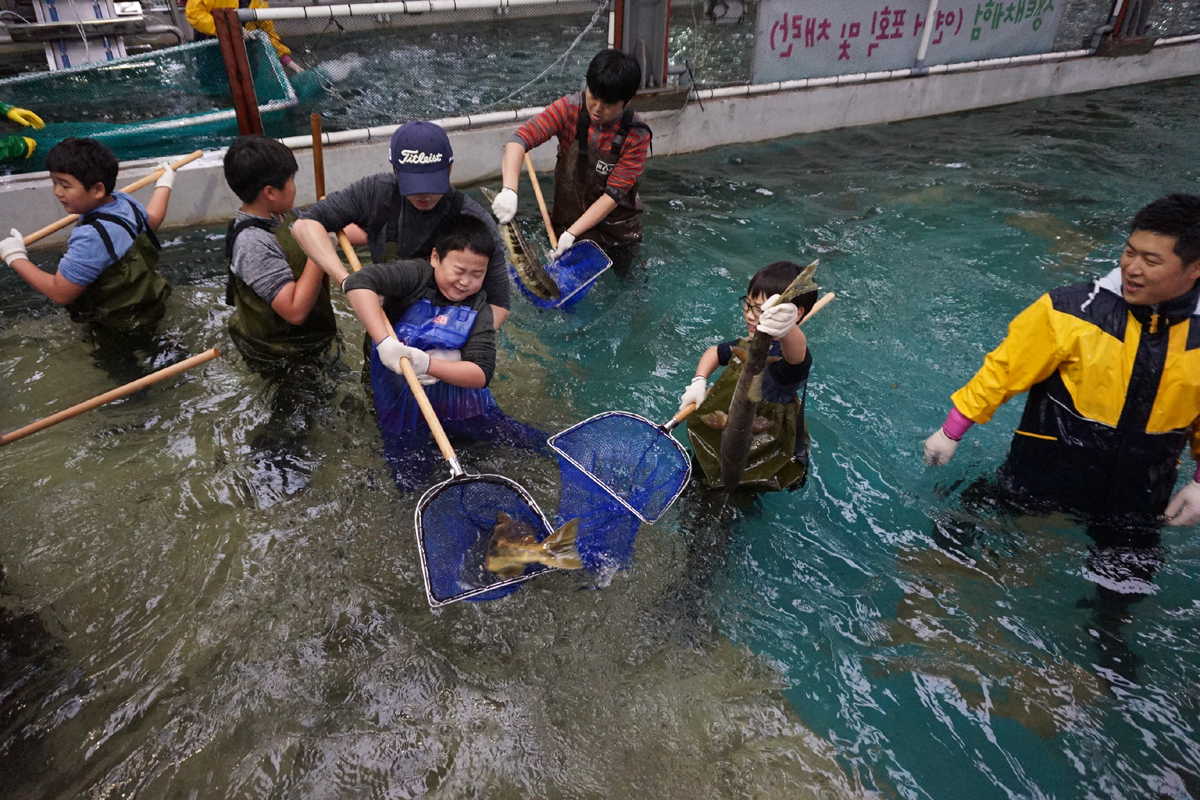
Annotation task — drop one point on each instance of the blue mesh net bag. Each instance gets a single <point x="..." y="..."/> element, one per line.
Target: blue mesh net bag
<point x="455" y="520"/>
<point x="575" y="273"/>
<point x="618" y="470"/>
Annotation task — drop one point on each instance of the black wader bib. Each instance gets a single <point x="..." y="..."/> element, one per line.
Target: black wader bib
<point x="778" y="455"/>
<point x="128" y="294"/>
<point x="261" y="335"/>
<point x="580" y="178"/>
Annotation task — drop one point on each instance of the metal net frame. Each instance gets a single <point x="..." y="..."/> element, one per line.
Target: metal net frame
<point x="454" y="521"/>
<point x="575" y="273"/>
<point x="635" y="462"/>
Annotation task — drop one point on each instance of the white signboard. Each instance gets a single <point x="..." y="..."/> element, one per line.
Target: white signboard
<point x="816" y="38"/>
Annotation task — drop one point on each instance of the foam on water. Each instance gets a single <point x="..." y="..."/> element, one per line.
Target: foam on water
<point x="198" y="601"/>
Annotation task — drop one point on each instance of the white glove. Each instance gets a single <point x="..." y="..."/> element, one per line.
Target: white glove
<point x="695" y="393"/>
<point x="505" y="206"/>
<point x="443" y="355"/>
<point x="564" y="244"/>
<point x="168" y="177"/>
<point x="391" y="351"/>
<point x="939" y="448"/>
<point x="778" y="320"/>
<point x="1184" y="508"/>
<point x="13" y="247"/>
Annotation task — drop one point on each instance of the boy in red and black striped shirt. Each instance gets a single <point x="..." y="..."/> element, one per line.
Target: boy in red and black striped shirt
<point x="602" y="148"/>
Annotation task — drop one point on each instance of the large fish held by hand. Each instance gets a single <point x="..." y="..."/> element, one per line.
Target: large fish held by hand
<point x="739" y="424"/>
<point x="525" y="261"/>
<point x="514" y="545"/>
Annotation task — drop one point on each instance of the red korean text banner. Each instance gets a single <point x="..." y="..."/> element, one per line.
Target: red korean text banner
<point x="817" y="38"/>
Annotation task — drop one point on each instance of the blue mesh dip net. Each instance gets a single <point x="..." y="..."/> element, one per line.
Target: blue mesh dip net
<point x="454" y="522"/>
<point x="575" y="273"/>
<point x="618" y="470"/>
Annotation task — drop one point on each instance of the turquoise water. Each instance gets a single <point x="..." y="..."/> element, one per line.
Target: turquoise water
<point x="189" y="611"/>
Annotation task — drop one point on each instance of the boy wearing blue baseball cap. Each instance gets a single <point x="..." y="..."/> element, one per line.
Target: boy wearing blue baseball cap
<point x="400" y="211"/>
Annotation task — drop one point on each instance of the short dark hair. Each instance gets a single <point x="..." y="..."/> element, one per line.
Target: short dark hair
<point x="777" y="276"/>
<point x="1175" y="215"/>
<point x="253" y="163"/>
<point x="613" y="76"/>
<point x="86" y="160"/>
<point x="464" y="232"/>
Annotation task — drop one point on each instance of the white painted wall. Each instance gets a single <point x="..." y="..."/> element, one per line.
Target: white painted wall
<point x="201" y="196"/>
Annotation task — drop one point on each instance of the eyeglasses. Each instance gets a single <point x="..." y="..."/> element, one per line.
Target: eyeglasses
<point x="748" y="307"/>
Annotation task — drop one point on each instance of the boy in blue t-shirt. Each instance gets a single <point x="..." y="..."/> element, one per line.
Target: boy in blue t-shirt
<point x="107" y="274"/>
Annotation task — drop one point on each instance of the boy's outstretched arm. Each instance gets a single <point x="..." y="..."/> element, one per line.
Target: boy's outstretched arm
<point x="53" y="286"/>
<point x="156" y="209"/>
<point x="698" y="388"/>
<point x="504" y="207"/>
<point x="297" y="298"/>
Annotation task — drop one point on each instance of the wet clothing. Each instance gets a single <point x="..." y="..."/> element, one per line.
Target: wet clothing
<point x="428" y="320"/>
<point x="1114" y="396"/>
<point x="264" y="258"/>
<point x="593" y="162"/>
<point x="112" y="252"/>
<point x="401" y="284"/>
<point x="778" y="454"/>
<point x="199" y="16"/>
<point x="397" y="230"/>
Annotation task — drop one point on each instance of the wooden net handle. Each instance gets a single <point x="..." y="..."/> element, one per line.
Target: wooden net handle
<point x="430" y="415"/>
<point x="133" y="187"/>
<point x="537" y="192"/>
<point x="108" y="397"/>
<point x="824" y="300"/>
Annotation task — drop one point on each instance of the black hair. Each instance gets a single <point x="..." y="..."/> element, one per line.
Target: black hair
<point x="86" y="160"/>
<point x="464" y="232"/>
<point x="1175" y="215"/>
<point x="777" y="276"/>
<point x="613" y="77"/>
<point x="253" y="163"/>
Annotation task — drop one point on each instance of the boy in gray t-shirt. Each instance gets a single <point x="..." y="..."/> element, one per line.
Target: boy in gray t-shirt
<point x="282" y="299"/>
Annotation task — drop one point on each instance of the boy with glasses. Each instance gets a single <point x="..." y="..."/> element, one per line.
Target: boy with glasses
<point x="779" y="452"/>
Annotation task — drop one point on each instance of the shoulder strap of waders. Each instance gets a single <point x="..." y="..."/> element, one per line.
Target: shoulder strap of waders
<point x="627" y="122"/>
<point x="231" y="233"/>
<point x="456" y="206"/>
<point x="143" y="226"/>
<point x="583" y="125"/>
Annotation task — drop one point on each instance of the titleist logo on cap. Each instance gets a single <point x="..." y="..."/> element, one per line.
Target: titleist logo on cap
<point x="417" y="157"/>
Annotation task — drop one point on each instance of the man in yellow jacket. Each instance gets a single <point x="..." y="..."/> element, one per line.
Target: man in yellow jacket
<point x="199" y="16"/>
<point x="1113" y="374"/>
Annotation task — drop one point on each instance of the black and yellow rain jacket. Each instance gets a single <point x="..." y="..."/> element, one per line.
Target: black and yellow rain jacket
<point x="1114" y="395"/>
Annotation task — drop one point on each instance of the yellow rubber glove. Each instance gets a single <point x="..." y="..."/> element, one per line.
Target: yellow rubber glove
<point x="23" y="116"/>
<point x="30" y="146"/>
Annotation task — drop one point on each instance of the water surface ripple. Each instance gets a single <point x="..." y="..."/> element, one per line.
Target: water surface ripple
<point x="192" y="607"/>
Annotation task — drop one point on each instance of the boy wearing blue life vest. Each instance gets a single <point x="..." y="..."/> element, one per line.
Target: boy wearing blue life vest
<point x="107" y="275"/>
<point x="445" y="329"/>
<point x="282" y="298"/>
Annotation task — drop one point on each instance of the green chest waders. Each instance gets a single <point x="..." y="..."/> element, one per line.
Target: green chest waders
<point x="773" y="464"/>
<point x="128" y="294"/>
<point x="261" y="335"/>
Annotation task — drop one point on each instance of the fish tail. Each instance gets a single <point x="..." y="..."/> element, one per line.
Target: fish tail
<point x="559" y="547"/>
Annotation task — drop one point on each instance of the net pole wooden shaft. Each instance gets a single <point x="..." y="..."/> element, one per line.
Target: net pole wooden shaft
<point x="133" y="187"/>
<point x="108" y="397"/>
<point x="537" y="192"/>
